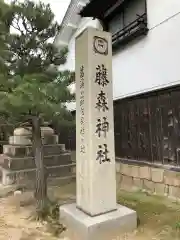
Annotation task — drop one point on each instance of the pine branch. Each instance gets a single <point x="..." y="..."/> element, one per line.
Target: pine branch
<point x="34" y="86"/>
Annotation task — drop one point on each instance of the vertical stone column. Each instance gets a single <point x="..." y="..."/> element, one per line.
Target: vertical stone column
<point x="96" y="180"/>
<point x="95" y="215"/>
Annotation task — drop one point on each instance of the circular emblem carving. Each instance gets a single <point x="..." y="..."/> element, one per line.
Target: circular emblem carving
<point x="100" y="45"/>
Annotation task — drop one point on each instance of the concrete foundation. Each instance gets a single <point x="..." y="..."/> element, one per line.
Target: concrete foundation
<point x="103" y="227"/>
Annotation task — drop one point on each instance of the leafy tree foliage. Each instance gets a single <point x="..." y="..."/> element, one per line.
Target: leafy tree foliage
<point x="3" y="35"/>
<point x="33" y="90"/>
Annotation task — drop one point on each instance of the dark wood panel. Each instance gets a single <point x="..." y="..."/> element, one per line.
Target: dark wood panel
<point x="144" y="139"/>
<point x="155" y="127"/>
<point x="133" y="130"/>
<point x="147" y="127"/>
<point x="174" y="126"/>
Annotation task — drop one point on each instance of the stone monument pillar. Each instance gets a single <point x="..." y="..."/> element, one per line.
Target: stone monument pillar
<point x="95" y="127"/>
<point x="96" y="210"/>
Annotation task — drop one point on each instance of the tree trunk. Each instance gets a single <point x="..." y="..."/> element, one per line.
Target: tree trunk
<point x="41" y="176"/>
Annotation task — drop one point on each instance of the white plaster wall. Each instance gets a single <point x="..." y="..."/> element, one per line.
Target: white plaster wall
<point x="150" y="63"/>
<point x="85" y="22"/>
<point x="70" y="62"/>
<point x="161" y="10"/>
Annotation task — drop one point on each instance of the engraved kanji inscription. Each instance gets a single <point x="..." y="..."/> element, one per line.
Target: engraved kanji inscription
<point x="81" y="77"/>
<point x="102" y="154"/>
<point x="102" y="104"/>
<point x="102" y="127"/>
<point x="101" y="75"/>
<point x="82" y="119"/>
<point x="82" y="148"/>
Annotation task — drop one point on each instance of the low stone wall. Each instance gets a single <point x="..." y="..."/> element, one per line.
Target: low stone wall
<point x="154" y="180"/>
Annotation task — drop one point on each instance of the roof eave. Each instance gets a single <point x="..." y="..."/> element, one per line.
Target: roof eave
<point x="98" y="8"/>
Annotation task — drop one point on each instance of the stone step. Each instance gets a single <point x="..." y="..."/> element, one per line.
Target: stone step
<point x="26" y="140"/>
<point x="26" y="151"/>
<point x="11" y="163"/>
<point x="23" y="176"/>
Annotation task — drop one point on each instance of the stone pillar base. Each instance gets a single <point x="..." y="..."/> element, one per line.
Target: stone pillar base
<point x="104" y="227"/>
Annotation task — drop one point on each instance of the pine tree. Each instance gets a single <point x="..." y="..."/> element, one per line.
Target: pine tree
<point x="33" y="90"/>
<point x="4" y="30"/>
